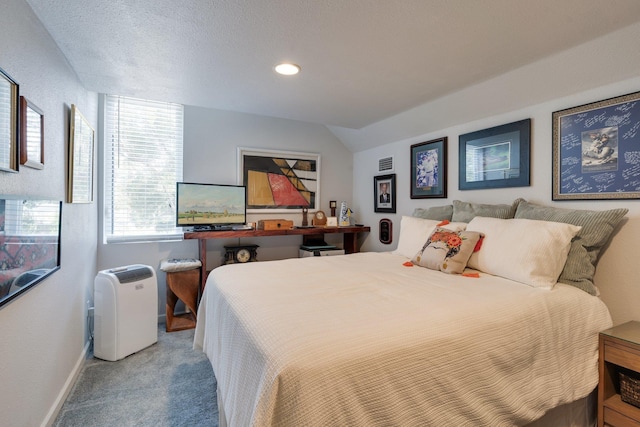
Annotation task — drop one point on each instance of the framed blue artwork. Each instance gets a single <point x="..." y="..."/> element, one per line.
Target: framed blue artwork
<point x="429" y="169"/>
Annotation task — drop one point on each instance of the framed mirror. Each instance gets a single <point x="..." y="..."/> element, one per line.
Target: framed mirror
<point x="31" y="135"/>
<point x="29" y="243"/>
<point x="9" y="132"/>
<point x="81" y="147"/>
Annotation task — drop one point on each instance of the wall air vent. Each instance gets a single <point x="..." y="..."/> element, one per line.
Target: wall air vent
<point x="385" y="164"/>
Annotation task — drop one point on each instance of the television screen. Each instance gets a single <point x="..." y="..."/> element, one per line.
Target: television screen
<point x="210" y="206"/>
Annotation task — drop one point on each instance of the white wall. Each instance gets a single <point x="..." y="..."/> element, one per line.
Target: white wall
<point x="211" y="138"/>
<point x="481" y="107"/>
<point x="42" y="333"/>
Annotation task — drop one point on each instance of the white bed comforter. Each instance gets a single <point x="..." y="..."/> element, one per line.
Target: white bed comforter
<point x="361" y="340"/>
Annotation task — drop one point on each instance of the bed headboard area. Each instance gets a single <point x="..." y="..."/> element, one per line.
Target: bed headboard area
<point x="595" y="233"/>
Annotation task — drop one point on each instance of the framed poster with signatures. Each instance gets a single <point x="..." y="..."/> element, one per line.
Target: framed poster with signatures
<point x="596" y="150"/>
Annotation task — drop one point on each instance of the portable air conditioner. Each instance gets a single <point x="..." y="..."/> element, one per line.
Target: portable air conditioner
<point x="125" y="311"/>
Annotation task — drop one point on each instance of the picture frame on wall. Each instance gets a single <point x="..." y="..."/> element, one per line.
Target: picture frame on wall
<point x="279" y="181"/>
<point x="81" y="152"/>
<point x="34" y="246"/>
<point x="31" y="135"/>
<point x="384" y="193"/>
<point x="429" y="169"/>
<point x="595" y="150"/>
<point x="496" y="157"/>
<point x="9" y="123"/>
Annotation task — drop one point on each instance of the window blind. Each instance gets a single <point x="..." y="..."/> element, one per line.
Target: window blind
<point x="5" y="122"/>
<point x="143" y="162"/>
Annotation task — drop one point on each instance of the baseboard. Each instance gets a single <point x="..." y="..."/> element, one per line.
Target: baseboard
<point x="68" y="385"/>
<point x="71" y="380"/>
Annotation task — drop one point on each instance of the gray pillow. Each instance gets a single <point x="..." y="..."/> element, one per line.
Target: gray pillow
<point x="597" y="227"/>
<point x="437" y="213"/>
<point x="465" y="211"/>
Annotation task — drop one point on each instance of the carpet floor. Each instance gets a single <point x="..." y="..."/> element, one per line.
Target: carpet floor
<point x="166" y="384"/>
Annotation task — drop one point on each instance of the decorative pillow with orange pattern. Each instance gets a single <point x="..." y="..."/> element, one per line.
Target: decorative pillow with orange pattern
<point x="447" y="250"/>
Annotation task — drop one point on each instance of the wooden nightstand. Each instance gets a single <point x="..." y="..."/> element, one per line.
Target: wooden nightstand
<point x="619" y="351"/>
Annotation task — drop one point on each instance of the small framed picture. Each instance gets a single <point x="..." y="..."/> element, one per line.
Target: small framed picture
<point x="384" y="191"/>
<point x="496" y="157"/>
<point x="31" y="135"/>
<point x="81" y="153"/>
<point x="9" y="123"/>
<point x="429" y="169"/>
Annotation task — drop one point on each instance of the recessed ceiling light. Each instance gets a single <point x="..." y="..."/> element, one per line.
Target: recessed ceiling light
<point x="287" y="69"/>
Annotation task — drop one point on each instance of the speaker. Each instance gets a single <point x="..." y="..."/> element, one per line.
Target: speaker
<point x="386" y="231"/>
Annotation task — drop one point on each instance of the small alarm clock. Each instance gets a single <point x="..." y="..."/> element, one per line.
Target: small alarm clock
<point x="240" y="254"/>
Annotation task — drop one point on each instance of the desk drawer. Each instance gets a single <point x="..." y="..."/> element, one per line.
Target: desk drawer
<point x="622" y="355"/>
<point x="616" y="419"/>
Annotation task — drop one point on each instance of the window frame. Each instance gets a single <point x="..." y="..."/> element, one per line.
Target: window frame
<point x="109" y="236"/>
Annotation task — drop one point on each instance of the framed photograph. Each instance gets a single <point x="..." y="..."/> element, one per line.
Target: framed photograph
<point x="9" y="119"/>
<point x="31" y="135"/>
<point x="384" y="193"/>
<point x="595" y="150"/>
<point x="496" y="157"/>
<point x="81" y="149"/>
<point x="429" y="169"/>
<point x="279" y="181"/>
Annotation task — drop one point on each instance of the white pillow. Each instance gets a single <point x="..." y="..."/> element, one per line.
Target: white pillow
<point x="415" y="231"/>
<point x="525" y="250"/>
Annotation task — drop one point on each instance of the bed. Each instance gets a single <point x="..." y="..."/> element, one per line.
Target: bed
<point x="372" y="339"/>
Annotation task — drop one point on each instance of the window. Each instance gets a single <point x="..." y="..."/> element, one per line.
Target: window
<point x="143" y="162"/>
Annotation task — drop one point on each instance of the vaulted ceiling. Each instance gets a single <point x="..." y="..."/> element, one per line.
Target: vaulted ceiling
<point x="362" y="60"/>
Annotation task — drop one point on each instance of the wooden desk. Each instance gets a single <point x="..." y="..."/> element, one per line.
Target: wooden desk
<point x="350" y="239"/>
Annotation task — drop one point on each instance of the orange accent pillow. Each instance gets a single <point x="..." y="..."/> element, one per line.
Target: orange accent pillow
<point x="447" y="250"/>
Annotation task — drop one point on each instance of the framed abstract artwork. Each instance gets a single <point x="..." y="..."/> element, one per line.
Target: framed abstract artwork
<point x="429" y="169"/>
<point x="279" y="181"/>
<point x="495" y="157"/>
<point x="595" y="150"/>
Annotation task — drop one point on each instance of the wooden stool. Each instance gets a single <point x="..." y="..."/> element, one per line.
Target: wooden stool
<point x="183" y="281"/>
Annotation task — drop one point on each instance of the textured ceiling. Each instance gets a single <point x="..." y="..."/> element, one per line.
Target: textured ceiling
<point x="362" y="60"/>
